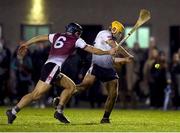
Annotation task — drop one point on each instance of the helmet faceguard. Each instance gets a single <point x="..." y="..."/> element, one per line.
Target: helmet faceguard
<point x="117" y="27"/>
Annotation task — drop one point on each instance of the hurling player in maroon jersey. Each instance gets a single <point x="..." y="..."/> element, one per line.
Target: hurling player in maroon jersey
<point x="62" y="45"/>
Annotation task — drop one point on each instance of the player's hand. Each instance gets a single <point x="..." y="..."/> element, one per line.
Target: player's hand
<point x="22" y="50"/>
<point x="128" y="59"/>
<point x="113" y="51"/>
<point x="131" y="57"/>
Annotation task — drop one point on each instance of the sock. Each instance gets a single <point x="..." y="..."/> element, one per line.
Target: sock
<point x="106" y="115"/>
<point x="60" y="108"/>
<point x="15" y="110"/>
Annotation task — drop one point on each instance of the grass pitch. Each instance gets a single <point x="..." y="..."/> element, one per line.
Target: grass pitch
<point x="31" y="119"/>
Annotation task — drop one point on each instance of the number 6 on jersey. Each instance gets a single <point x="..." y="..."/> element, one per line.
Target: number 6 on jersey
<point x="60" y="42"/>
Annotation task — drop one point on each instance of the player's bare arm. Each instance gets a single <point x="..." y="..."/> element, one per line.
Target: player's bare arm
<point x="36" y="39"/>
<point x="124" y="52"/>
<point x="97" y="51"/>
<point x="111" y="42"/>
<point x="23" y="48"/>
<point x="119" y="60"/>
<point x="120" y="49"/>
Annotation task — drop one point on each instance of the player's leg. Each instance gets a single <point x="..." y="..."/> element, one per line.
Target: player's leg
<point x="112" y="88"/>
<point x="48" y="75"/>
<point x="39" y="90"/>
<point x="36" y="94"/>
<point x="68" y="88"/>
<point x="86" y="83"/>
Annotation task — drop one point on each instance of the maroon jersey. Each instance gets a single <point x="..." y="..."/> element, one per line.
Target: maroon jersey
<point x="63" y="44"/>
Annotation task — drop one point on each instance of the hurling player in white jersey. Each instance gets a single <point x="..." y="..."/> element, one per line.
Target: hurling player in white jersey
<point x="62" y="45"/>
<point x="102" y="66"/>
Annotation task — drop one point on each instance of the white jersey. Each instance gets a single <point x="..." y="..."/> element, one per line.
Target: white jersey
<point x="105" y="61"/>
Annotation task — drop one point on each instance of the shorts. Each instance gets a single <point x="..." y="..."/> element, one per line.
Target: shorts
<point x="103" y="74"/>
<point x="49" y="73"/>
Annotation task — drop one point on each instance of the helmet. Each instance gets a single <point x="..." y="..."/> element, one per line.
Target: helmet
<point x="73" y="28"/>
<point x="117" y="26"/>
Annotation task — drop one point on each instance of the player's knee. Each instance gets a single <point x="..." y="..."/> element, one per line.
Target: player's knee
<point x="72" y="89"/>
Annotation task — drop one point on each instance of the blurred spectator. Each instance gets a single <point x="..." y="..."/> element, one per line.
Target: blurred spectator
<point x="175" y="76"/>
<point x="123" y="89"/>
<point x="39" y="56"/>
<point x="179" y="52"/>
<point x="95" y="94"/>
<point x="135" y="72"/>
<point x="71" y="67"/>
<point x="22" y="68"/>
<point x="155" y="71"/>
<point x="146" y="61"/>
<point x="5" y="57"/>
<point x="152" y="45"/>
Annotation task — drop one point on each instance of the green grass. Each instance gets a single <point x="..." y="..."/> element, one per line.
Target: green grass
<point x="31" y="119"/>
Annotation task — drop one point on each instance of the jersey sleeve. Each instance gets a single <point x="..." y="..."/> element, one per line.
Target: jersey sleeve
<point x="80" y="43"/>
<point x="51" y="36"/>
<point x="106" y="36"/>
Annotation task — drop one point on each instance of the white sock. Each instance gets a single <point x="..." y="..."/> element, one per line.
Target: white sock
<point x="14" y="111"/>
<point x="60" y="109"/>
